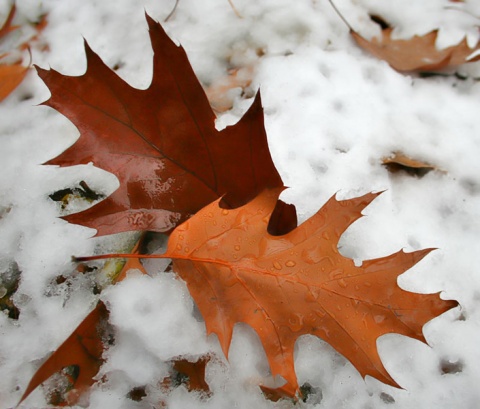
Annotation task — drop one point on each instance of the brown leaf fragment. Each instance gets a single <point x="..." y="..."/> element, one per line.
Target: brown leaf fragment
<point x="275" y="394"/>
<point x="7" y="25"/>
<point x="401" y="162"/>
<point x="221" y="92"/>
<point x="82" y="349"/>
<point x="418" y="53"/>
<point x="13" y="73"/>
<point x="283" y="219"/>
<point x="192" y="374"/>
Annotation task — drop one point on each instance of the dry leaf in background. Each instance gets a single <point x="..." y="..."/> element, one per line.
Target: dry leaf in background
<point x="12" y="72"/>
<point x="221" y="93"/>
<point x="418" y="53"/>
<point x="399" y="161"/>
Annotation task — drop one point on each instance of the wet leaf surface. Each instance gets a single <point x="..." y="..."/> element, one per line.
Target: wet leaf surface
<point x="161" y="143"/>
<point x="295" y="284"/>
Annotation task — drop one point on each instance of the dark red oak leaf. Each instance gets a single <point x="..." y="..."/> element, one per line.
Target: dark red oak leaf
<point x="161" y="143"/>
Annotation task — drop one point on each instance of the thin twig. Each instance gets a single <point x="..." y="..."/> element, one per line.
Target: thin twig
<point x="234" y="9"/>
<point x="341" y="16"/>
<point x="173" y="11"/>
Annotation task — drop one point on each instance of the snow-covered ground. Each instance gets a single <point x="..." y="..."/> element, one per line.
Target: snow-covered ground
<point x="332" y="113"/>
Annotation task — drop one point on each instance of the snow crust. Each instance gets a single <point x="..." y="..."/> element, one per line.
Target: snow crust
<point x="332" y="112"/>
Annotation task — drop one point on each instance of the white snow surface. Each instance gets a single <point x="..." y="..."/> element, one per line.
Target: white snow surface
<point x="332" y="112"/>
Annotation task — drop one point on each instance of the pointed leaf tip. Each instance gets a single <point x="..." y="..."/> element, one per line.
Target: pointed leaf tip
<point x="154" y="25"/>
<point x="150" y="21"/>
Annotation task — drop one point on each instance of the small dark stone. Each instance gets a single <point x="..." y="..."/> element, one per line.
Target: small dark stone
<point x="385" y="397"/>
<point x="448" y="367"/>
<point x="310" y="394"/>
<point x="26" y="97"/>
<point x="118" y="65"/>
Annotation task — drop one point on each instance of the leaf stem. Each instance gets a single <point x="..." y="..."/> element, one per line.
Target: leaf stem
<point x="172" y="12"/>
<point x="118" y="255"/>
<point x="234" y="9"/>
<point x="340" y="15"/>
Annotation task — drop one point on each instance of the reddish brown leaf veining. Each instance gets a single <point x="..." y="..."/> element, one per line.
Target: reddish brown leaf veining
<point x="161" y="142"/>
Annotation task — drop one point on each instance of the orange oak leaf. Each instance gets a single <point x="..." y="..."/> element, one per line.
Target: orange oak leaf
<point x="83" y="348"/>
<point x="11" y="75"/>
<point x="295" y="284"/>
<point x="160" y="142"/>
<point x="418" y="53"/>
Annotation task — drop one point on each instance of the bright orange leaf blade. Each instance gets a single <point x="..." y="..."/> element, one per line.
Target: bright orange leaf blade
<point x="418" y="53"/>
<point x="83" y="348"/>
<point x="11" y="75"/>
<point x="161" y="142"/>
<point x="296" y="284"/>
